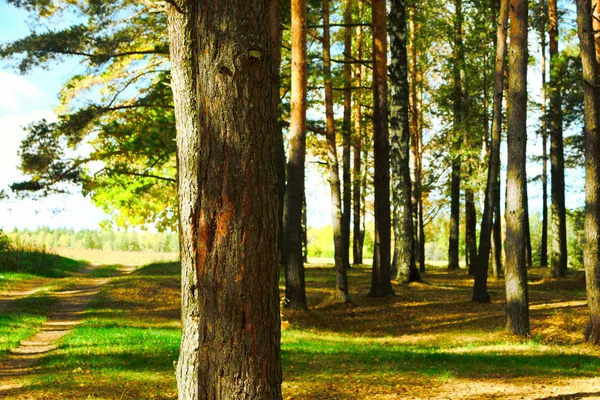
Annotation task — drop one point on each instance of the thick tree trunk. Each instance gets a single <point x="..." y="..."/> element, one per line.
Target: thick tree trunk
<point x="295" y="291"/>
<point x="347" y="131"/>
<point x="557" y="161"/>
<point x="357" y="200"/>
<point x="492" y="192"/>
<point x="404" y="241"/>
<point x="227" y="200"/>
<point x="458" y="111"/>
<point x="591" y="252"/>
<point x="340" y="249"/>
<point x="381" y="275"/>
<point x="544" y="133"/>
<point x="275" y="22"/>
<point x="517" y="302"/>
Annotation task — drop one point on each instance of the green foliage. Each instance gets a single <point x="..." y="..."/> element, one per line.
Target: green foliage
<point x="320" y="242"/>
<point x="120" y="106"/>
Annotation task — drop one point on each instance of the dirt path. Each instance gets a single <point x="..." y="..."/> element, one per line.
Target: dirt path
<point x="73" y="302"/>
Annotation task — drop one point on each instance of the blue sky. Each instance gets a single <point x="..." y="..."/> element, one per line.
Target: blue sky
<point x="24" y="99"/>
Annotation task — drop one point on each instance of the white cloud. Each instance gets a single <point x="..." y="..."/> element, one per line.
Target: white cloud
<point x="15" y="91"/>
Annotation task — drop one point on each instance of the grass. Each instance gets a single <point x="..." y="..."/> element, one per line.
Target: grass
<point x="21" y="318"/>
<point x="428" y="341"/>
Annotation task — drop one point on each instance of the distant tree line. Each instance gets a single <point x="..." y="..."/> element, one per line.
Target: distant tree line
<point x="63" y="238"/>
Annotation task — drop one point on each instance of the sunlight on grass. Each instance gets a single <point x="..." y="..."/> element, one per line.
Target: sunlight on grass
<point x="116" y="257"/>
<point x="22" y="318"/>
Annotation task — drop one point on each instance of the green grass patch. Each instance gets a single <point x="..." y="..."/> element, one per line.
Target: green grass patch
<point x="37" y="262"/>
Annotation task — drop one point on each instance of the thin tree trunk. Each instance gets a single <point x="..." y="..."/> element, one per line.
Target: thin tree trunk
<point x="347" y="131"/>
<point x="227" y="200"/>
<point x="404" y="241"/>
<point x="470" y="229"/>
<point x="492" y="192"/>
<point x="544" y="132"/>
<point x="415" y="141"/>
<point x="458" y="112"/>
<point x="497" y="237"/>
<point x="340" y="250"/>
<point x="420" y="225"/>
<point x="381" y="275"/>
<point x="295" y="291"/>
<point x="528" y="250"/>
<point x="591" y="251"/>
<point x="304" y="231"/>
<point x="357" y="169"/>
<point x="517" y="302"/>
<point x="557" y="170"/>
<point x="275" y="22"/>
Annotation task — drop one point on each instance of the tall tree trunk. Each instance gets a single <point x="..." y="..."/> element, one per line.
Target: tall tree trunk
<point x="544" y="132"/>
<point x="415" y="140"/>
<point x="591" y="251"/>
<point x="557" y="161"/>
<point x="517" y="302"/>
<point x="295" y="291"/>
<point x="347" y="131"/>
<point x="357" y="245"/>
<point x="458" y="111"/>
<point x="492" y="192"/>
<point x="421" y="225"/>
<point x="227" y="200"/>
<point x="340" y="250"/>
<point x="275" y="22"/>
<point x="381" y="276"/>
<point x="404" y="241"/>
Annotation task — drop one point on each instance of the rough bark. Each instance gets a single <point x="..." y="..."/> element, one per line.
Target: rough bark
<point x="517" y="302"/>
<point x="404" y="241"/>
<point x="557" y="161"/>
<point x="544" y="134"/>
<point x="591" y="251"/>
<point x="227" y="200"/>
<point x="381" y="274"/>
<point x="357" y="190"/>
<point x="347" y="131"/>
<point x="295" y="291"/>
<point x="480" y="292"/>
<point x="340" y="249"/>
<point x="458" y="115"/>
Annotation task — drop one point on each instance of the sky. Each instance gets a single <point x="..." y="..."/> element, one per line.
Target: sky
<point x="25" y="99"/>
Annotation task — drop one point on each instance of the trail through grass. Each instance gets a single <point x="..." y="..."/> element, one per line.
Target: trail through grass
<point x="427" y="342"/>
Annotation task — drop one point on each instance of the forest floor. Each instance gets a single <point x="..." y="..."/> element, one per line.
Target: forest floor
<point x="427" y="342"/>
